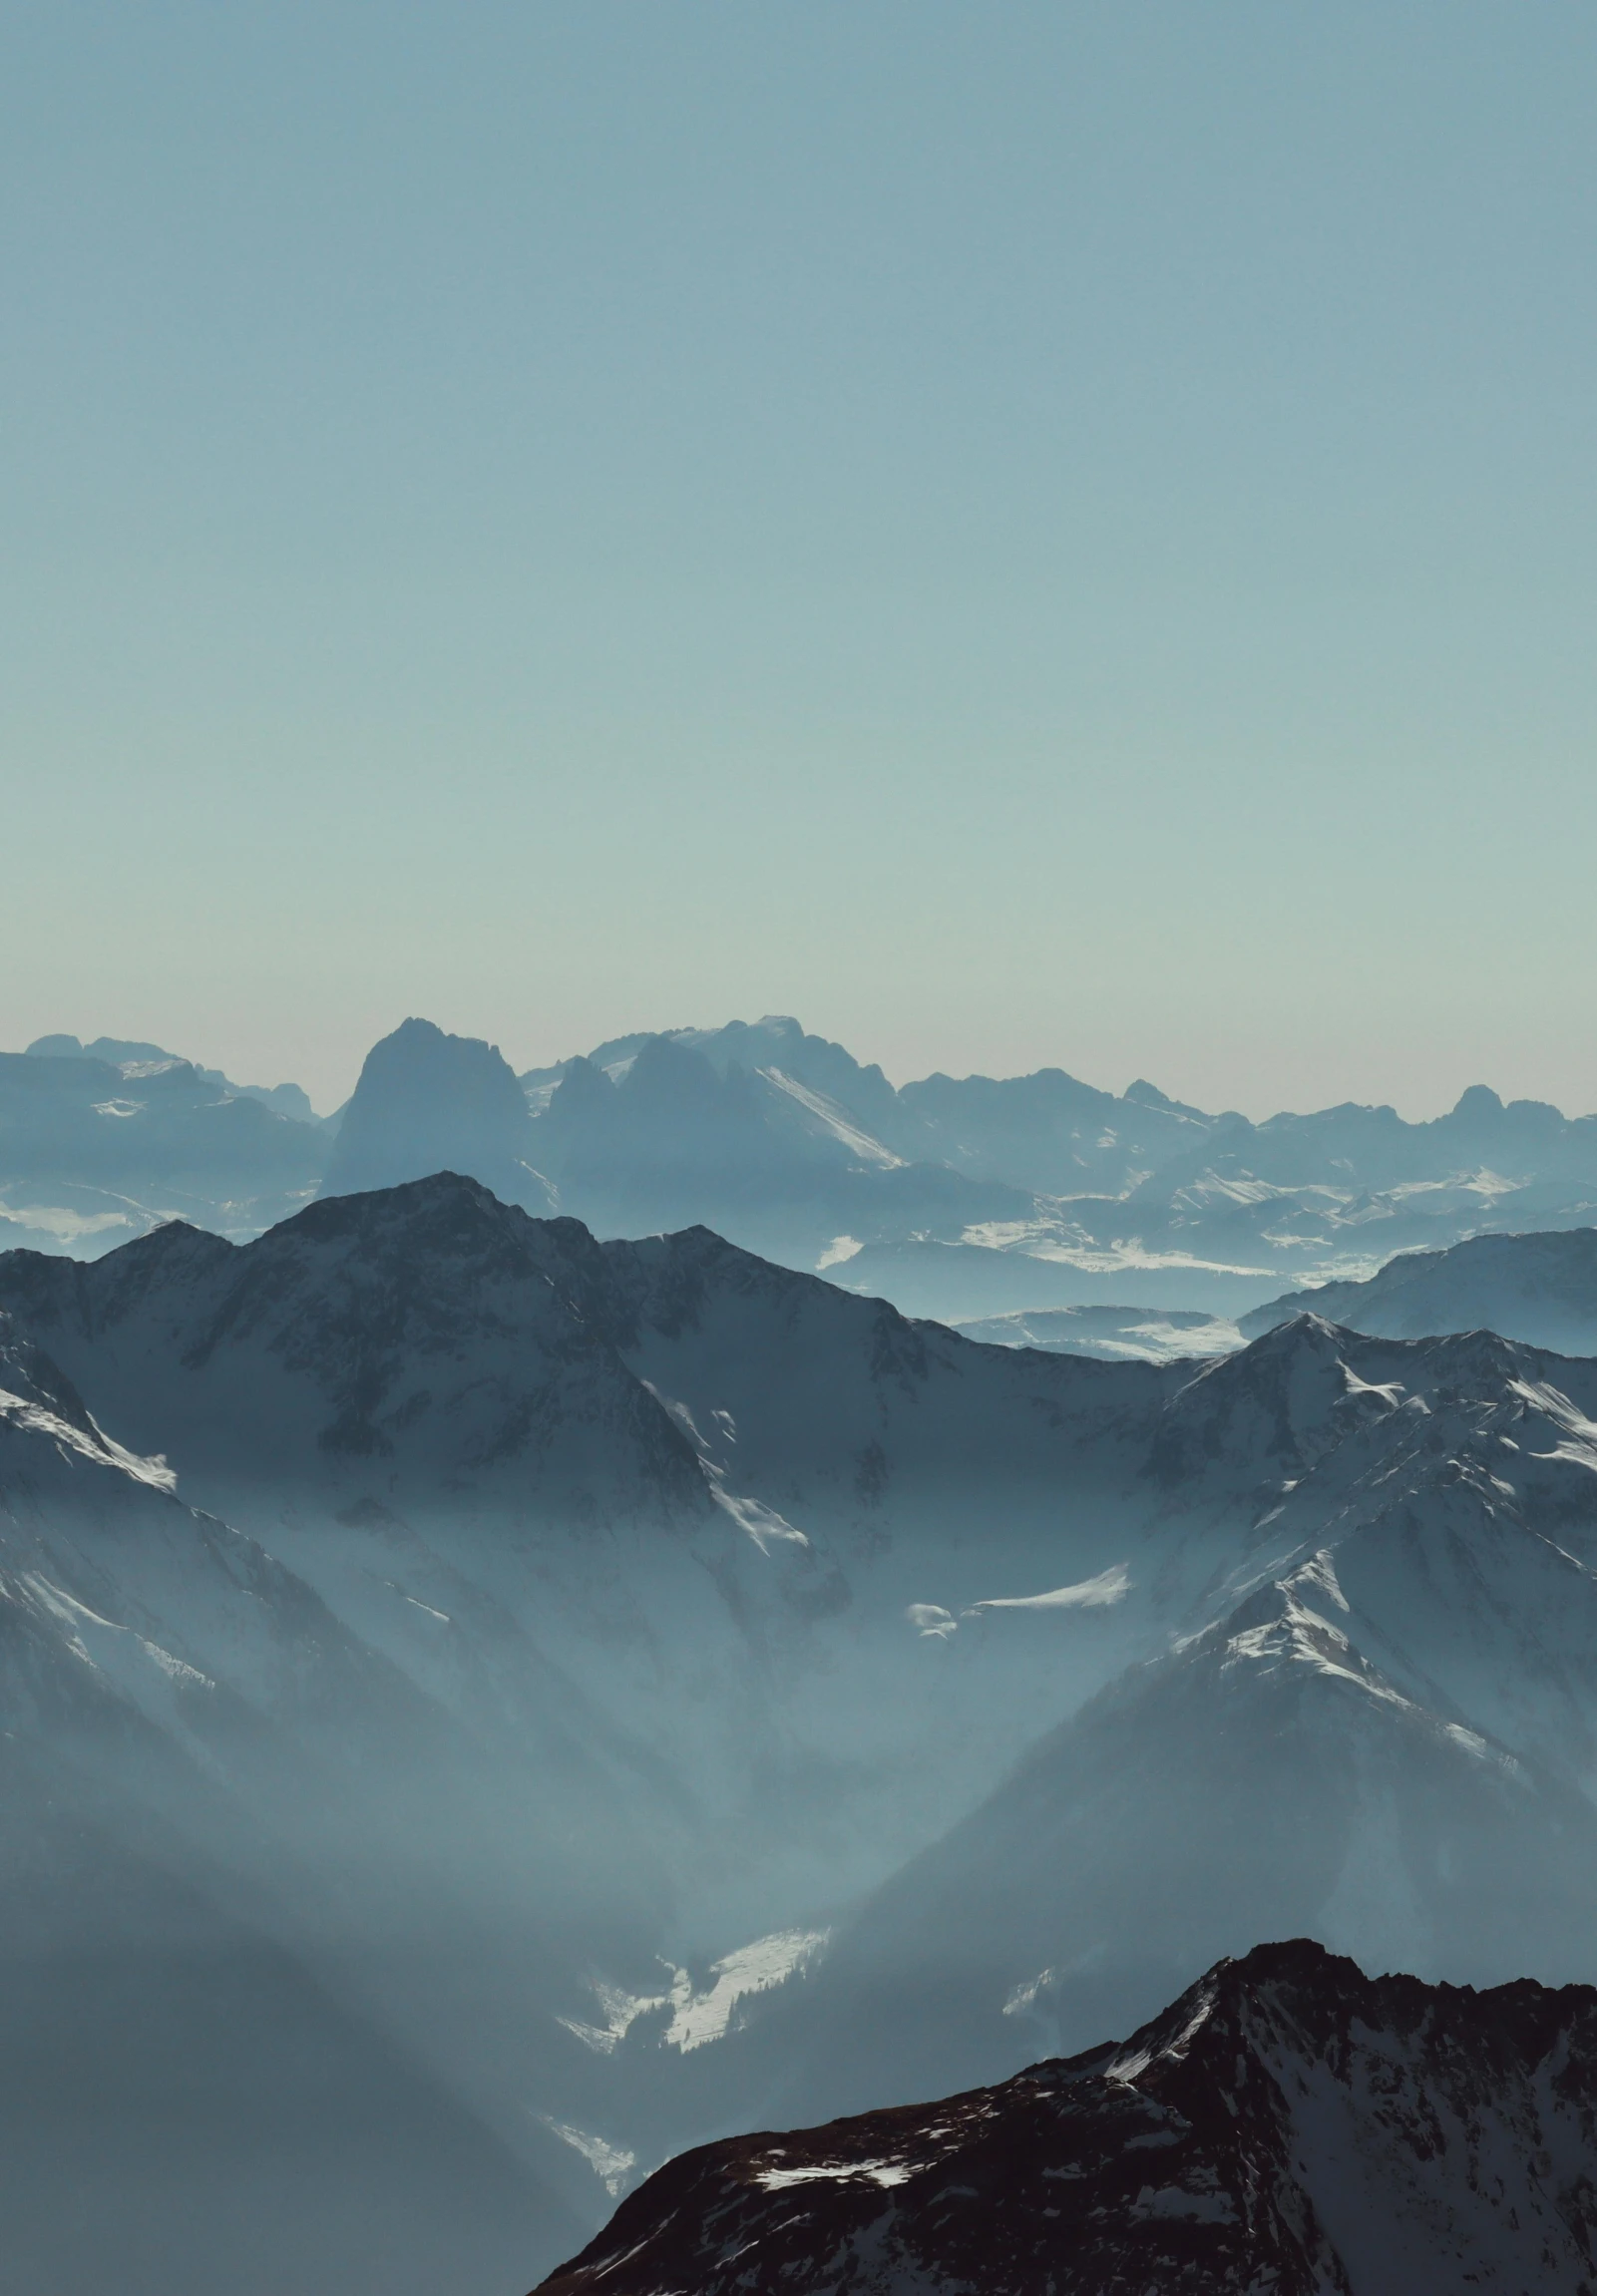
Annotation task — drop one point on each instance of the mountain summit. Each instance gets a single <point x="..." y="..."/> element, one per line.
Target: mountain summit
<point x="429" y="1102"/>
<point x="1287" y="2124"/>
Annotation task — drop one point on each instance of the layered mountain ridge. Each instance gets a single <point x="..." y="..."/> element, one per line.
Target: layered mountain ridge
<point x="1377" y="1725"/>
<point x="957" y="1198"/>
<point x="654" y="1690"/>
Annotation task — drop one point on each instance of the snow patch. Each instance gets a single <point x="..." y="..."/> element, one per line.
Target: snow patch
<point x="1024" y="1996"/>
<point x="1110" y="1586"/>
<point x="611" y="2164"/>
<point x="699" y="2018"/>
<point x="140" y="1668"/>
<point x="758" y="1968"/>
<point x="33" y="1418"/>
<point x="932" y="1622"/>
<point x="833" y="1120"/>
<point x="840" y="1248"/>
<point x="762" y="1523"/>
<point x="840" y="2172"/>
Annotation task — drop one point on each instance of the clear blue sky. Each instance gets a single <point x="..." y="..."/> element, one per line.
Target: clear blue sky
<point x="1020" y="534"/>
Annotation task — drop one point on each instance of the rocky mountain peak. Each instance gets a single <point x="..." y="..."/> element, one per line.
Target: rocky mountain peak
<point x="1287" y="2123"/>
<point x="430" y="1102"/>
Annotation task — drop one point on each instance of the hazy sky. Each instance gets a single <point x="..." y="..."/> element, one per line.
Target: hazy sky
<point x="1022" y="533"/>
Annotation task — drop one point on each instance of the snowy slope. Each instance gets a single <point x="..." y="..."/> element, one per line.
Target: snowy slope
<point x="1288" y="2124"/>
<point x="712" y="1608"/>
<point x="1381" y="1726"/>
<point x="207" y="1786"/>
<point x="701" y="1492"/>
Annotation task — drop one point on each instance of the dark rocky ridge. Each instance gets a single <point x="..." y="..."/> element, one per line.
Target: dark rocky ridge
<point x="1288" y="2124"/>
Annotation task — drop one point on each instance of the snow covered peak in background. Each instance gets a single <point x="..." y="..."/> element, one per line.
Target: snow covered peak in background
<point x="962" y="1198"/>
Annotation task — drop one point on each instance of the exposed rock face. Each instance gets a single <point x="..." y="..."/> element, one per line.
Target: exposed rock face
<point x="1288" y="2124"/>
<point x="427" y="1102"/>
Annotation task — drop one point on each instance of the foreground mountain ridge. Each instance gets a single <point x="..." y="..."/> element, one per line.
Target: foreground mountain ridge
<point x="1288" y="2124"/>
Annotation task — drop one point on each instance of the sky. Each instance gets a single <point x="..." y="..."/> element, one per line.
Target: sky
<point x="1042" y="535"/>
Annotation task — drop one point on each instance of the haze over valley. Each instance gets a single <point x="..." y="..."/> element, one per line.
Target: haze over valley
<point x="798" y="1149"/>
<point x="529" y="1700"/>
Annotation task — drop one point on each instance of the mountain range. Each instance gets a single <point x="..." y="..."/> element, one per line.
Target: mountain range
<point x="959" y="1199"/>
<point x="633" y="1691"/>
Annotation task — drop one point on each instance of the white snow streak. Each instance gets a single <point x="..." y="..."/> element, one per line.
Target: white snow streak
<point x="700" y="2017"/>
<point x="933" y="1622"/>
<point x="611" y="2164"/>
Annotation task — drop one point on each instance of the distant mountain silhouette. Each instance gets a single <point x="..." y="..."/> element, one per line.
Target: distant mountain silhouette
<point x="427" y="1102"/>
<point x="955" y="1197"/>
<point x="93" y="1152"/>
<point x="1541" y="1288"/>
<point x="129" y="1055"/>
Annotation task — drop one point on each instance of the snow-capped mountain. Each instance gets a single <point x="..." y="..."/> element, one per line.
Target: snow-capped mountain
<point x="956" y="1198"/>
<point x="767" y="1530"/>
<point x="1379" y="1723"/>
<point x="690" y="1692"/>
<point x="94" y="1151"/>
<point x="216" y="2029"/>
<point x="665" y="1136"/>
<point x="136" y="1060"/>
<point x="1286" y="2124"/>
<point x="716" y="1487"/>
<point x="1131" y="1198"/>
<point x="1541" y="1288"/>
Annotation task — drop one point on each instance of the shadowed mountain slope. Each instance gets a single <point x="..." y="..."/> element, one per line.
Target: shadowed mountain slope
<point x="1379" y="1723"/>
<point x="1287" y="2124"/>
<point x="204" y="1776"/>
<point x="851" y="1709"/>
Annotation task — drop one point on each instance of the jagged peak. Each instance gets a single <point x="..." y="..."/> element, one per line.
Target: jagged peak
<point x="1180" y="2156"/>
